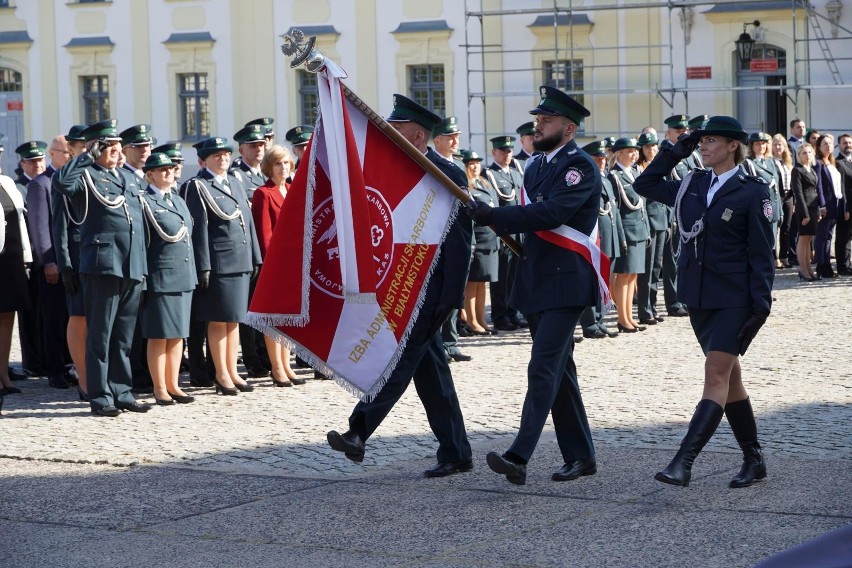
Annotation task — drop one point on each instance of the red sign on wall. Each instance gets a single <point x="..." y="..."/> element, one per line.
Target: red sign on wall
<point x="15" y="106"/>
<point x="698" y="73"/>
<point x="763" y="65"/>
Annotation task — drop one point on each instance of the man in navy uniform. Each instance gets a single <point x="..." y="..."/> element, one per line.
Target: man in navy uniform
<point x="445" y="137"/>
<point x="526" y="133"/>
<point x="298" y="137"/>
<point x="553" y="286"/>
<point x="505" y="176"/>
<point x="113" y="264"/>
<point x="51" y="293"/>
<point x="32" y="164"/>
<point x="265" y="122"/>
<point x="136" y="143"/>
<point x="611" y="236"/>
<point x="423" y="357"/>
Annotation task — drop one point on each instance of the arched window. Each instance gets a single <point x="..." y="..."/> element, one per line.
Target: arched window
<point x="10" y="81"/>
<point x="764" y="51"/>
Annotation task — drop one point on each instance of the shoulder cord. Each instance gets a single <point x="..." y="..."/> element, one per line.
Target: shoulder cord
<point x="624" y="199"/>
<point x="208" y="200"/>
<point x="518" y="165"/>
<point x="177" y="237"/>
<point x="89" y="186"/>
<point x="507" y="197"/>
<point x="698" y="226"/>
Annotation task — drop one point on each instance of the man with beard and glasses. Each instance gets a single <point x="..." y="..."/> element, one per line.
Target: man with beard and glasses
<point x="843" y="230"/>
<point x="553" y="284"/>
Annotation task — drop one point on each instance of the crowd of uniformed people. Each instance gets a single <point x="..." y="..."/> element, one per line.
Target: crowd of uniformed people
<point x="107" y="251"/>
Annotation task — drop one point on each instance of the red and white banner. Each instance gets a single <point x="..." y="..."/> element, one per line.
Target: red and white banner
<point x="353" y="249"/>
<point x="584" y="245"/>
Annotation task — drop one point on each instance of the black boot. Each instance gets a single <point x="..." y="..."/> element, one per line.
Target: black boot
<point x="741" y="418"/>
<point x="704" y="422"/>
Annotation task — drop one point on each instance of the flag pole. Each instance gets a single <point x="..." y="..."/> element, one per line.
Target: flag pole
<point x="314" y="62"/>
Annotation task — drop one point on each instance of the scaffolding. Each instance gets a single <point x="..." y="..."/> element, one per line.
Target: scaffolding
<point x="566" y="14"/>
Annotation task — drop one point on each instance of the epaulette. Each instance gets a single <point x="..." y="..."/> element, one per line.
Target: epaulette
<point x="744" y="177"/>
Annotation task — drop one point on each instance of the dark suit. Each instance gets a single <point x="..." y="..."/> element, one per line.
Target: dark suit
<point x="66" y="246"/>
<point x="52" y="309"/>
<point x="552" y="288"/>
<point x="138" y="352"/>
<point x="834" y="208"/>
<point x="508" y="183"/>
<point x="250" y="180"/>
<point x="807" y="191"/>
<point x="842" y="234"/>
<point x="113" y="266"/>
<point x="29" y="320"/>
<point x="729" y="264"/>
<point x="423" y="358"/>
<point x="648" y="281"/>
<point x="668" y="275"/>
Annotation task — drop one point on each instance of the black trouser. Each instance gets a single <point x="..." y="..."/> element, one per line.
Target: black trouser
<point x="450" y="333"/>
<point x="200" y="367"/>
<point x="112" y="305"/>
<point x="501" y="311"/>
<point x="252" y="345"/>
<point x="30" y="333"/>
<point x="789" y="231"/>
<point x="423" y="360"/>
<point x="54" y="321"/>
<point x="841" y="240"/>
<point x="552" y="388"/>
<point x="648" y="282"/>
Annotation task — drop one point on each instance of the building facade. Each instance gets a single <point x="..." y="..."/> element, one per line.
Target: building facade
<point x="197" y="68"/>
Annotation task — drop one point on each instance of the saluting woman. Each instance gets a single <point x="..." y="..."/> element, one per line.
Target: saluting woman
<point x="725" y="275"/>
<point x="636" y="232"/>
<point x="171" y="278"/>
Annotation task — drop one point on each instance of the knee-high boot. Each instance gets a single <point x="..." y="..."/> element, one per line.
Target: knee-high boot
<point x="741" y="418"/>
<point x="704" y="422"/>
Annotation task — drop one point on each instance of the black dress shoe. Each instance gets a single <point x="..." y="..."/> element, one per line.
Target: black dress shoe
<point x="651" y="321"/>
<point x="609" y="332"/>
<point x="182" y="399"/>
<point x="134" y="406"/>
<point x="257" y="372"/>
<point x="520" y="322"/>
<point x="57" y="381"/>
<point x="464" y="331"/>
<point x="594" y="334"/>
<point x="16" y="376"/>
<point x="660" y="319"/>
<point x="445" y="469"/>
<point x="110" y="411"/>
<point x="164" y="401"/>
<point x="349" y="443"/>
<point x="460" y="357"/>
<point x="71" y="376"/>
<point x="297" y="381"/>
<point x="203" y="382"/>
<point x="625" y="329"/>
<point x="515" y="472"/>
<point x="576" y="468"/>
<point x="244" y="387"/>
<point x="678" y="312"/>
<point x="505" y="326"/>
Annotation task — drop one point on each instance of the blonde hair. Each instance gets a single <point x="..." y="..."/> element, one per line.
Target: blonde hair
<point x="805" y="148"/>
<point x="786" y="159"/>
<point x="275" y="153"/>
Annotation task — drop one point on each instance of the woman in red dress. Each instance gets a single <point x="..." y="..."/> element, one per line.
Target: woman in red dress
<point x="266" y="206"/>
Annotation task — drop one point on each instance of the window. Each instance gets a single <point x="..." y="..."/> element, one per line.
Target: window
<point x="10" y="81"/>
<point x="763" y="51"/>
<point x="426" y="87"/>
<point x="4" y="3"/>
<point x="308" y="97"/>
<point x="194" y="106"/>
<point x="95" y="98"/>
<point x="556" y="74"/>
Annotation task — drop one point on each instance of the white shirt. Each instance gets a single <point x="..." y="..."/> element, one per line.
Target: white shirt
<point x="835" y="180"/>
<point x="221" y="181"/>
<point x="552" y="153"/>
<point x="714" y="187"/>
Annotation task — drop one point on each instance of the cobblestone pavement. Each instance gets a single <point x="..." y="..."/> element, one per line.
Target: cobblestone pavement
<point x="639" y="391"/>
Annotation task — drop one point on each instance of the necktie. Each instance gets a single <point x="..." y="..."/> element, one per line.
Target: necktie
<point x="226" y="185"/>
<point x="114" y="173"/>
<point x="167" y="196"/>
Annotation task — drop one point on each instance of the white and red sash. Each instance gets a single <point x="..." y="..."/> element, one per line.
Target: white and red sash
<point x="584" y="245"/>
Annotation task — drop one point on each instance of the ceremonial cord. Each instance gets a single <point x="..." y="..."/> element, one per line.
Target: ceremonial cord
<point x="493" y="180"/>
<point x="204" y="193"/>
<point x="624" y="199"/>
<point x="698" y="226"/>
<point x="177" y="237"/>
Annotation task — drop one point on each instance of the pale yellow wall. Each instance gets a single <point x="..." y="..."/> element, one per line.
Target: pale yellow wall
<point x="421" y="9"/>
<point x="190" y="58"/>
<point x="426" y="48"/>
<point x="189" y="18"/>
<point x="367" y="81"/>
<point x="310" y="11"/>
<point x="254" y="54"/>
<point x="493" y="82"/>
<point x="48" y="69"/>
<point x="89" y="22"/>
<point x="141" y="62"/>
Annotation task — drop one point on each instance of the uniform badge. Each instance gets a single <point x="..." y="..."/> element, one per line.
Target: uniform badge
<point x="574" y="176"/>
<point x="539" y="198"/>
<point x="574" y="151"/>
<point x="767" y="209"/>
<point x="726" y="214"/>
